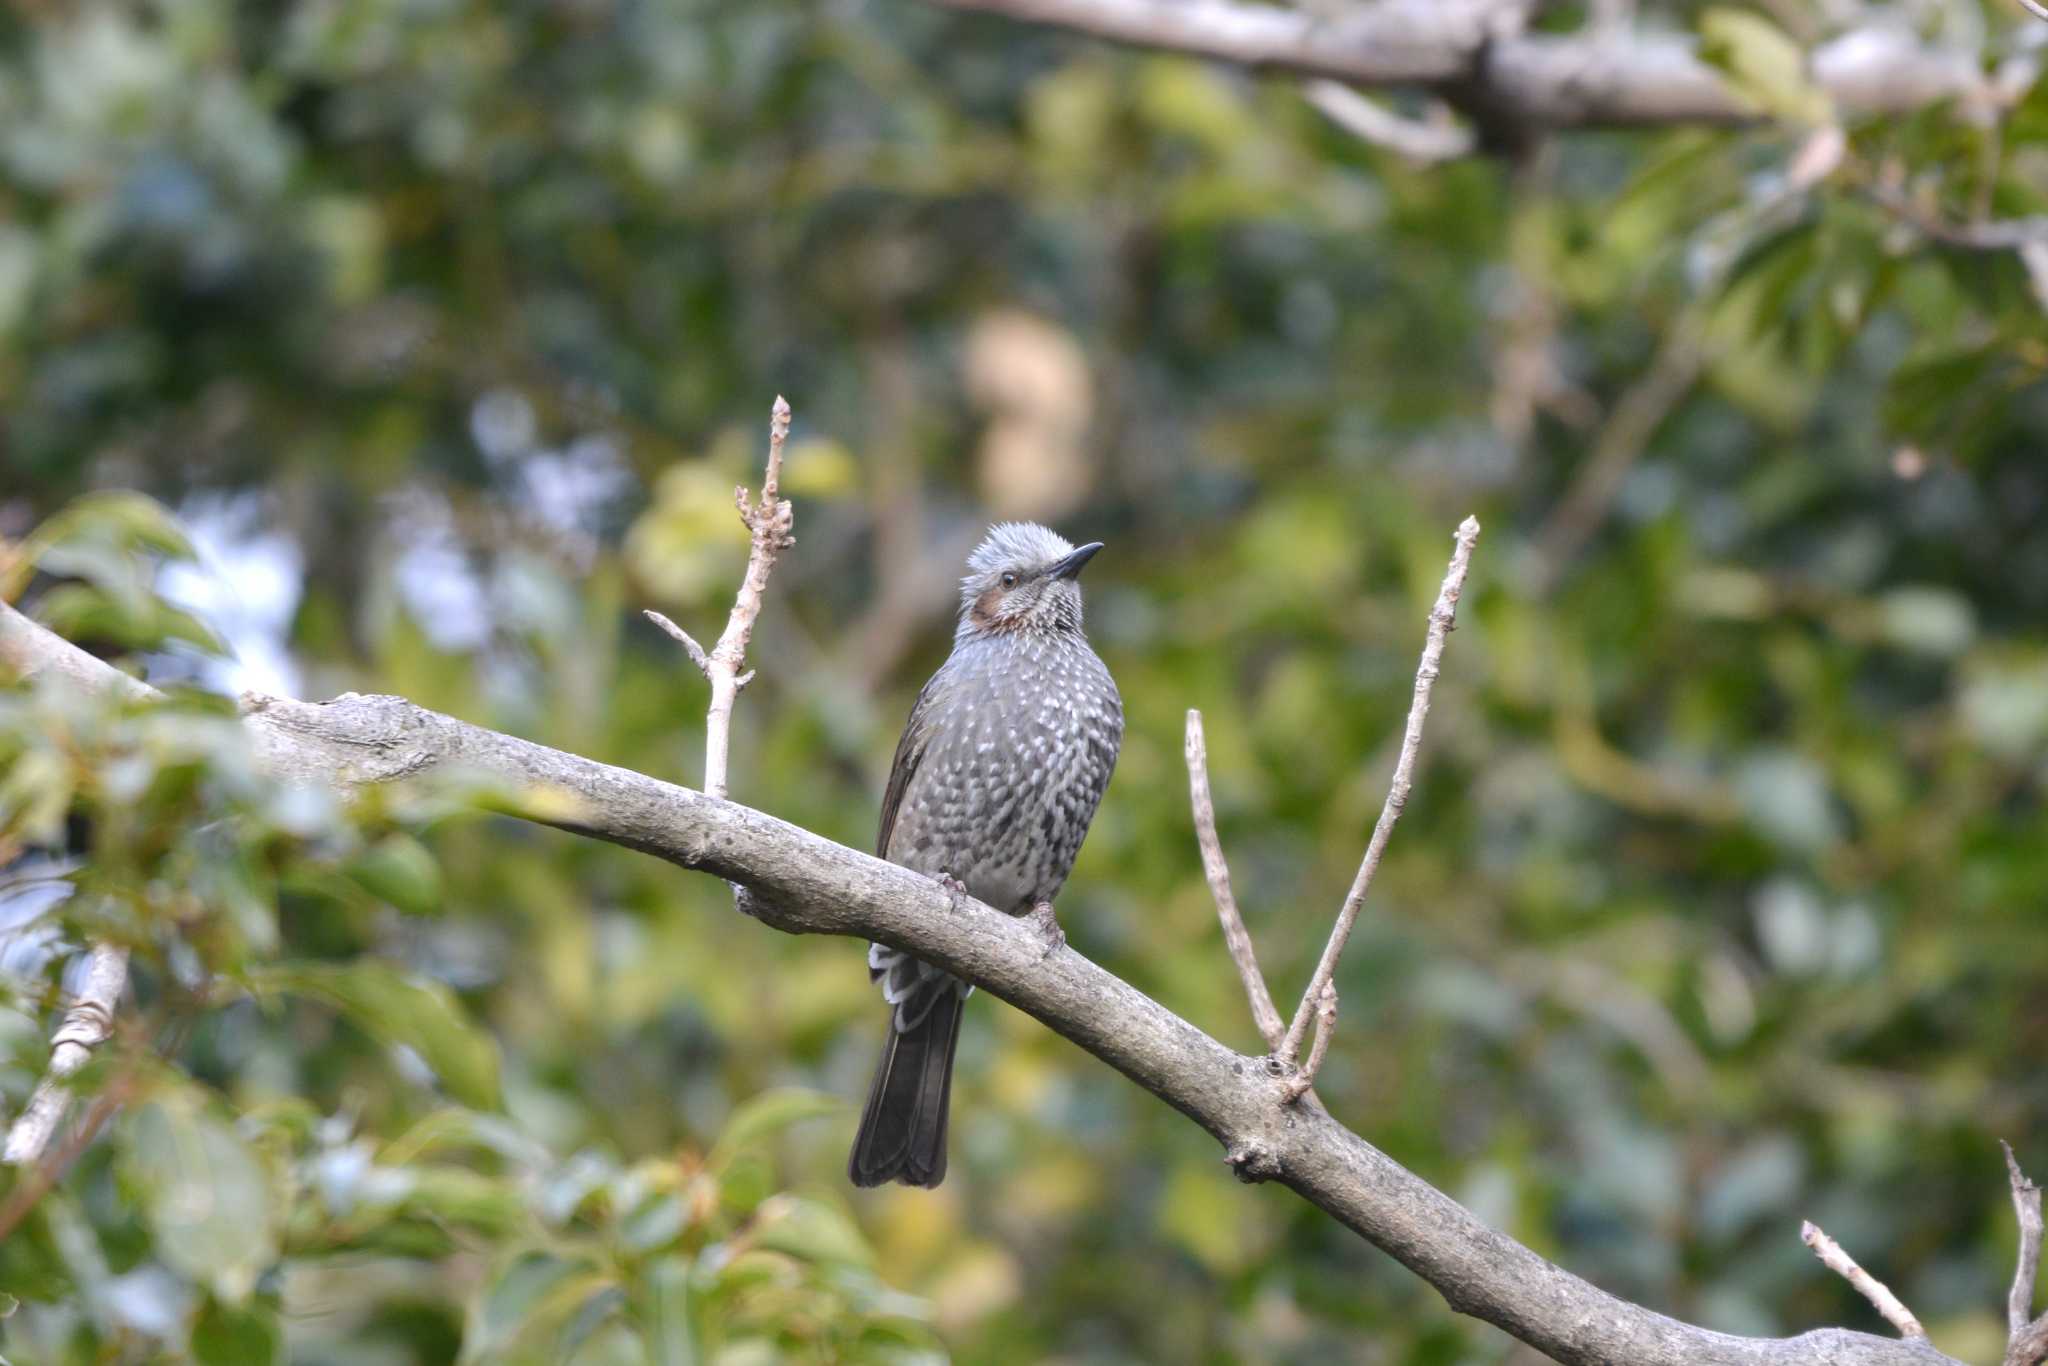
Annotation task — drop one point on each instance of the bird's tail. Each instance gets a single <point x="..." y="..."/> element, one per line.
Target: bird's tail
<point x="903" y="1130"/>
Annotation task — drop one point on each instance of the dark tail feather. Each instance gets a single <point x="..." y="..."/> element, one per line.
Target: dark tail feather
<point x="903" y="1131"/>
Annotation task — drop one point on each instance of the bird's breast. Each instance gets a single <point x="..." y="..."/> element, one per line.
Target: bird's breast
<point x="1022" y="746"/>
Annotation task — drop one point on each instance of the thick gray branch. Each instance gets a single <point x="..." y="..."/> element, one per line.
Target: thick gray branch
<point x="1463" y="50"/>
<point x="805" y="884"/>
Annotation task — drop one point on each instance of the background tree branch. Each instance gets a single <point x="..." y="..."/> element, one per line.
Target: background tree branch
<point x="1471" y="53"/>
<point x="86" y="1024"/>
<point x="806" y="884"/>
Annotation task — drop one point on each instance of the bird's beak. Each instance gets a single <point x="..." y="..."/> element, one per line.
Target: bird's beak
<point x="1070" y="567"/>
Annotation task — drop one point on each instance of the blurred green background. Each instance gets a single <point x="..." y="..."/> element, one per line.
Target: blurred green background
<point x="444" y="330"/>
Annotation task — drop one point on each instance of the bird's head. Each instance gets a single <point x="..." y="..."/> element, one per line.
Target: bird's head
<point x="1023" y="578"/>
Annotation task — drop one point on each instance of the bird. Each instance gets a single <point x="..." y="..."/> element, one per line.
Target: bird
<point x="1001" y="766"/>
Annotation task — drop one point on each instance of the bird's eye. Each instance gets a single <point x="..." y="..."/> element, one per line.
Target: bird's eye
<point x="1009" y="580"/>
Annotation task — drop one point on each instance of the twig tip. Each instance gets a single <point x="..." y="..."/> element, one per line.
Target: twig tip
<point x="2020" y="1182"/>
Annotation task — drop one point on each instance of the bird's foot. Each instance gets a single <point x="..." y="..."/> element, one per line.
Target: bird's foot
<point x="955" y="889"/>
<point x="1048" y="926"/>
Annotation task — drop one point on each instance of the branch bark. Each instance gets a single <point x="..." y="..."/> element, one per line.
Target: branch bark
<point x="806" y="884"/>
<point x="1471" y="53"/>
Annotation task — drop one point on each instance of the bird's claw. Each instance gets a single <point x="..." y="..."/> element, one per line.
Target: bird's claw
<point x="1048" y="926"/>
<point x="955" y="889"/>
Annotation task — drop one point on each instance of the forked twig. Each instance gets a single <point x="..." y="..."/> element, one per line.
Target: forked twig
<point x="1837" y="1260"/>
<point x="2026" y="1336"/>
<point x="1442" y="617"/>
<point x="1267" y="1015"/>
<point x="1297" y="1085"/>
<point x="768" y="523"/>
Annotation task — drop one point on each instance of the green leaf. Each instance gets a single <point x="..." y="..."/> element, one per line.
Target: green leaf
<point x="421" y="1014"/>
<point x="1764" y="65"/>
<point x="35" y="794"/>
<point x="455" y="1195"/>
<point x="120" y="516"/>
<point x="227" y="1336"/>
<point x="399" y="869"/>
<point x="135" y="622"/>
<point x="205" y="1195"/>
<point x="657" y="1222"/>
<point x="539" y="1300"/>
<point x="811" y="1229"/>
<point x="666" y="1317"/>
<point x="762" y="1117"/>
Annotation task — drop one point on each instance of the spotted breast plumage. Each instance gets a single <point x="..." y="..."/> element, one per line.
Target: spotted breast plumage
<point x="1001" y="766"/>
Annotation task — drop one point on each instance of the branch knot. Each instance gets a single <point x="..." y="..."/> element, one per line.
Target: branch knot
<point x="1252" y="1162"/>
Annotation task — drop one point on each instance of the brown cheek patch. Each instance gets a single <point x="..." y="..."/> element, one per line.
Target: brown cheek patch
<point x="983" y="612"/>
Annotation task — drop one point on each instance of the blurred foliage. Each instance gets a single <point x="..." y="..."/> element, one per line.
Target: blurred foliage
<point x="445" y="330"/>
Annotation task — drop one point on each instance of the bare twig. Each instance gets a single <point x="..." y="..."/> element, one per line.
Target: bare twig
<point x="768" y="523"/>
<point x="1271" y="1027"/>
<point x="1441" y="618"/>
<point x="2027" y="1336"/>
<point x="683" y="638"/>
<point x="1297" y="1085"/>
<point x="1424" y="143"/>
<point x="85" y="1027"/>
<point x="1835" y="1259"/>
<point x="2026" y="1203"/>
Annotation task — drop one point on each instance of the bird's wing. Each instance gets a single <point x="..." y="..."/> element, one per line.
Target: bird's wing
<point x="917" y="734"/>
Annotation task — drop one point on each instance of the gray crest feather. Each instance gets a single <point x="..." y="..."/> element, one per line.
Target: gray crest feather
<point x="1012" y="545"/>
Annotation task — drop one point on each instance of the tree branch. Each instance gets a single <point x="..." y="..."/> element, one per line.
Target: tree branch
<point x="1441" y="618"/>
<point x="1471" y="53"/>
<point x="806" y="884"/>
<point x="1267" y="1016"/>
